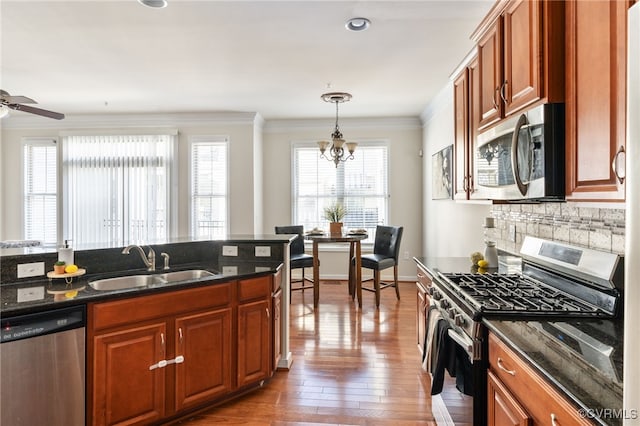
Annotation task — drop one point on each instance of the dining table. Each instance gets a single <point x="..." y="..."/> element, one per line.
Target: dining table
<point x="355" y="269"/>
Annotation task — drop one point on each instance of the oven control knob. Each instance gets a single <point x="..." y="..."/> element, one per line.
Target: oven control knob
<point x="430" y="290"/>
<point x="445" y="304"/>
<point x="436" y="294"/>
<point x="459" y="320"/>
<point x="453" y="313"/>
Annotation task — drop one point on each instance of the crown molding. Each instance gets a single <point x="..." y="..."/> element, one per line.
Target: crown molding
<point x="82" y="121"/>
<point x="285" y="125"/>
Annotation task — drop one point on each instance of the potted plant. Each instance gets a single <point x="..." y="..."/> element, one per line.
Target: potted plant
<point x="334" y="214"/>
<point x="59" y="266"/>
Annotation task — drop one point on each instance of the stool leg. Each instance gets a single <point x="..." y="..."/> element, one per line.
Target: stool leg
<point x="395" y="280"/>
<point x="376" y="286"/>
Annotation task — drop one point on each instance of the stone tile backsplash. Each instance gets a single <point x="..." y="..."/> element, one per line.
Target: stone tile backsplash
<point x="596" y="228"/>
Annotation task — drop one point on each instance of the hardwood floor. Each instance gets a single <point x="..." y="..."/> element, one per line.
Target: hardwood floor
<point x="350" y="367"/>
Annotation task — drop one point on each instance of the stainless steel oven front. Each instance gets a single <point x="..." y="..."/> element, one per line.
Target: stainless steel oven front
<point x="522" y="158"/>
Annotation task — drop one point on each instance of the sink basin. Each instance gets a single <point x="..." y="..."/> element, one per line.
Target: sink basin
<point x="132" y="281"/>
<point x="192" y="274"/>
<point x="121" y="283"/>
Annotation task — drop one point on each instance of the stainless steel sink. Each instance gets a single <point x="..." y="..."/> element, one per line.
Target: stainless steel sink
<point x="132" y="281"/>
<point x="121" y="283"/>
<point x="192" y="274"/>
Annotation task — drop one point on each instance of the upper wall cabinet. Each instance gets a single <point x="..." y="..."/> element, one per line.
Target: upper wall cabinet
<point x="465" y="93"/>
<point x="520" y="57"/>
<point x="595" y="99"/>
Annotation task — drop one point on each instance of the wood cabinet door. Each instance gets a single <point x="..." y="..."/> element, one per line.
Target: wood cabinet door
<point x="490" y="75"/>
<point x="595" y="98"/>
<point x="504" y="409"/>
<point x="461" y="134"/>
<point x="205" y="342"/>
<point x="254" y="342"/>
<point x="125" y="390"/>
<point x="523" y="55"/>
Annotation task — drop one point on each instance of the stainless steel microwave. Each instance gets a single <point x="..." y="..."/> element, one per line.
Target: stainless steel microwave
<point x="522" y="158"/>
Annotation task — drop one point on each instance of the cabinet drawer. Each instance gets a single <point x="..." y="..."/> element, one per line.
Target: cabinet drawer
<point x="256" y="288"/>
<point x="142" y="308"/>
<point x="423" y="278"/>
<point x="537" y="396"/>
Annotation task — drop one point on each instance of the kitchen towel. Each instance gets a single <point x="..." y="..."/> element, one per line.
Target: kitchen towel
<point x="428" y="354"/>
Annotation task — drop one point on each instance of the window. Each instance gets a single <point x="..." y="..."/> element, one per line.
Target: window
<point x="209" y="187"/>
<point x="117" y="188"/>
<point x="359" y="184"/>
<point x="40" y="191"/>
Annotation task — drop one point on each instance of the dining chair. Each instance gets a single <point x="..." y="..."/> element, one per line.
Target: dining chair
<point x="386" y="248"/>
<point x="298" y="258"/>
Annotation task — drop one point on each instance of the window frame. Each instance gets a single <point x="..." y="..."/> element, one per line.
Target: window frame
<point x="171" y="192"/>
<point x="224" y="140"/>
<point x="41" y="141"/>
<point x="378" y="142"/>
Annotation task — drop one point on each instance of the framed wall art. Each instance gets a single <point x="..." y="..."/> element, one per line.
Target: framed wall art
<point x="441" y="174"/>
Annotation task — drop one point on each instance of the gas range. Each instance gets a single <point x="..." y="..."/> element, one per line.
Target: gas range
<point x="556" y="281"/>
<point x="552" y="283"/>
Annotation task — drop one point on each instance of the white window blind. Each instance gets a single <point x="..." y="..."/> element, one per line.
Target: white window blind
<point x="361" y="185"/>
<point x="40" y="191"/>
<point x="117" y="188"/>
<point x="209" y="188"/>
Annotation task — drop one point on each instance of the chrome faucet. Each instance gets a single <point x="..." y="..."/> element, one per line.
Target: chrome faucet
<point x="149" y="260"/>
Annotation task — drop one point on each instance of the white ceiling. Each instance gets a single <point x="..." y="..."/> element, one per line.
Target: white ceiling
<point x="271" y="57"/>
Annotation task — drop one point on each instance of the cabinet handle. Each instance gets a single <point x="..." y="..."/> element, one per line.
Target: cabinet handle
<point x="503" y="93"/>
<point x="553" y="420"/>
<point x="471" y="184"/>
<point x="180" y="335"/>
<point x="503" y="368"/>
<point x="268" y="313"/>
<point x="614" y="164"/>
<point x="465" y="186"/>
<point x="495" y="103"/>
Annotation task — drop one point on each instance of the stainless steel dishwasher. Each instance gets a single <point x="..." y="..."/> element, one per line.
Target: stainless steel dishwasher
<point x="42" y="366"/>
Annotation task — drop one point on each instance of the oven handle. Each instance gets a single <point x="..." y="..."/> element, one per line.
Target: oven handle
<point x="464" y="341"/>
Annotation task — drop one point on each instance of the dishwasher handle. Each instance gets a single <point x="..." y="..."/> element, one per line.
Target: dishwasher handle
<point x="42" y="323"/>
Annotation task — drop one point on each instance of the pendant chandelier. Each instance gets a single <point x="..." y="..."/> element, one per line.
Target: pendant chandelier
<point x="336" y="151"/>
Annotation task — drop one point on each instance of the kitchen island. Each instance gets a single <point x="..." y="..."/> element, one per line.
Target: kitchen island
<point x="157" y="352"/>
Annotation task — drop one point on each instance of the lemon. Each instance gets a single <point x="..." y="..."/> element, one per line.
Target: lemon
<point x="70" y="269"/>
<point x="483" y="263"/>
<point x="482" y="271"/>
<point x="71" y="294"/>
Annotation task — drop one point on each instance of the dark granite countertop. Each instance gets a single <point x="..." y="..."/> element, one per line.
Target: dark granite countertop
<point x="582" y="358"/>
<point x="45" y="294"/>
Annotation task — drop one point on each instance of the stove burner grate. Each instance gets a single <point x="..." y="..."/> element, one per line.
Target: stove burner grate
<point x="516" y="293"/>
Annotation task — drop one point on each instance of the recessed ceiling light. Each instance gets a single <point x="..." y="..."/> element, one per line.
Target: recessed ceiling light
<point x="357" y="24"/>
<point x="158" y="4"/>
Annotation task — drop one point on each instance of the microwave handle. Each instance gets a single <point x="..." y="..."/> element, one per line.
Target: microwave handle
<point x="523" y="122"/>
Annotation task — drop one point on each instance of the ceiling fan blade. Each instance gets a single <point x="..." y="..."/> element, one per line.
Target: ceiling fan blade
<point x="8" y="99"/>
<point x="19" y="100"/>
<point x="38" y="111"/>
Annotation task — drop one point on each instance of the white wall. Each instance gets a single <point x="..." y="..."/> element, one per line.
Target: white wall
<point x="451" y="228"/>
<point x="405" y="179"/>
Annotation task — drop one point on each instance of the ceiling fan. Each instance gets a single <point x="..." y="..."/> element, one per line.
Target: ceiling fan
<point x="16" y="103"/>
